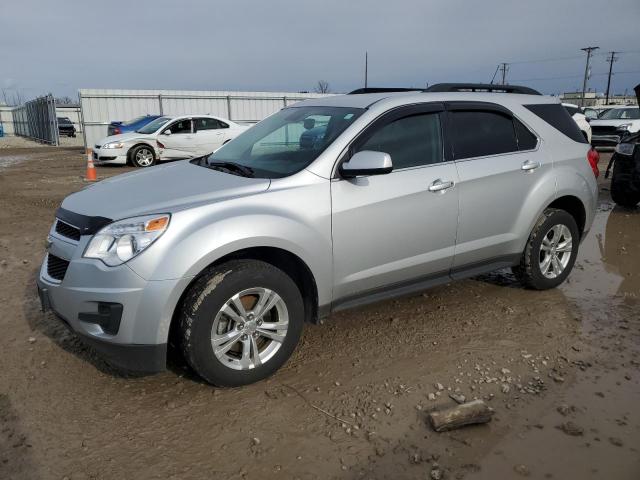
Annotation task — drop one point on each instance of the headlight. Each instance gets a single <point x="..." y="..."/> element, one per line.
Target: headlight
<point x="113" y="145"/>
<point x="625" y="148"/>
<point x="624" y="126"/>
<point x="122" y="240"/>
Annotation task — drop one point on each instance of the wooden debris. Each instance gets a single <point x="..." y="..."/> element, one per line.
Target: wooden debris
<point x="460" y="415"/>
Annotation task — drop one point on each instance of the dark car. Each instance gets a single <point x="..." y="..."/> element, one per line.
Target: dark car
<point x="625" y="181"/>
<point x="65" y="127"/>
<point x="116" y="128"/>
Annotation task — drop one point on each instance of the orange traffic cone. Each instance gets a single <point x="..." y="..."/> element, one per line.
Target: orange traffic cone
<point x="91" y="169"/>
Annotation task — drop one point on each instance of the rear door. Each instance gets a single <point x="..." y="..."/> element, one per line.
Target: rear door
<point x="499" y="164"/>
<point x="396" y="229"/>
<point x="178" y="140"/>
<point x="209" y="134"/>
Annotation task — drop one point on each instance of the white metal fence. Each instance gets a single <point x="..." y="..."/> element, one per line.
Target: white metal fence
<point x="100" y="107"/>
<point x="36" y="119"/>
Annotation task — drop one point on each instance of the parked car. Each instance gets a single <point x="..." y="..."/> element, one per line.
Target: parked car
<point x="580" y="118"/>
<point x="167" y="138"/>
<point x="625" y="182"/>
<point x="116" y="128"/>
<point x="614" y="124"/>
<point x="65" y="127"/>
<point x="227" y="255"/>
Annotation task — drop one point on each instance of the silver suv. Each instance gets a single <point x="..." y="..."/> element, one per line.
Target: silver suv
<point x="329" y="204"/>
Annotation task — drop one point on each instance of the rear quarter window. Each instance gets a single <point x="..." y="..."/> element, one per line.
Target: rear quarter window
<point x="558" y="117"/>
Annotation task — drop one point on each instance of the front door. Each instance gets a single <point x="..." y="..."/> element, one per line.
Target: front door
<point x="397" y="228"/>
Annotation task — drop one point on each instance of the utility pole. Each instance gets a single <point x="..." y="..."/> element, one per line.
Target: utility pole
<point x="366" y="68"/>
<point x="612" y="58"/>
<point x="586" y="70"/>
<point x="504" y="67"/>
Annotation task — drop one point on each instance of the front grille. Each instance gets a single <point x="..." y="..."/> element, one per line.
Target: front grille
<point x="67" y="230"/>
<point x="56" y="267"/>
<point x="604" y="130"/>
<point x="97" y="146"/>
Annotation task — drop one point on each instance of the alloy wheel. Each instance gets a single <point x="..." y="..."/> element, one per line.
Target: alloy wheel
<point x="555" y="251"/>
<point x="144" y="157"/>
<point x="249" y="328"/>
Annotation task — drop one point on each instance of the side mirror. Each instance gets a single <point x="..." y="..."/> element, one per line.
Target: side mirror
<point x="367" y="162"/>
<point x="167" y="132"/>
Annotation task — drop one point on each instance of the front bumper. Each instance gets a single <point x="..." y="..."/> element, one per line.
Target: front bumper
<point x="137" y="341"/>
<point x="605" y="140"/>
<point x="115" y="156"/>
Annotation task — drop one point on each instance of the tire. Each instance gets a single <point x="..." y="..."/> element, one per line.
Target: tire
<point x="553" y="226"/>
<point x="143" y="156"/>
<point x="623" y="190"/>
<point x="201" y="321"/>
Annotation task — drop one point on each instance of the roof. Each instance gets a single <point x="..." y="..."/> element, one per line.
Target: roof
<point x="368" y="99"/>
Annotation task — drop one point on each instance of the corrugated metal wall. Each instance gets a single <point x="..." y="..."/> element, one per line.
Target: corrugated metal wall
<point x="99" y="107"/>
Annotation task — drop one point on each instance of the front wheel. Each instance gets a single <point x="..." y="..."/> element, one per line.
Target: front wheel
<point x="240" y="322"/>
<point x="551" y="251"/>
<point x="143" y="156"/>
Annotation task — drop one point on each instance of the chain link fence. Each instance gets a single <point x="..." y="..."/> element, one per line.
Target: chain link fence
<point x="37" y="120"/>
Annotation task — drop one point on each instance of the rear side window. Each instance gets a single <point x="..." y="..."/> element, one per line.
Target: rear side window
<point x="477" y="133"/>
<point x="558" y="117"/>
<point x="410" y="141"/>
<point x="526" y="139"/>
<point x="209" y="124"/>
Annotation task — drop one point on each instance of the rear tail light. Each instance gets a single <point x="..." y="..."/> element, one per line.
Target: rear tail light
<point x="594" y="157"/>
<point x="160" y="145"/>
<point x="116" y="131"/>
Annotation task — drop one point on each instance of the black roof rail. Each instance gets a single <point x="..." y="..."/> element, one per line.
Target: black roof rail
<point x="481" y="87"/>
<point x="361" y="91"/>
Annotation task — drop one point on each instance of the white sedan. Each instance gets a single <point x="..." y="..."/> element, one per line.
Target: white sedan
<point x="580" y="118"/>
<point x="167" y="138"/>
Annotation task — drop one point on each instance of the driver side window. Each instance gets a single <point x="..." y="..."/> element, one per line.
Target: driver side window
<point x="181" y="126"/>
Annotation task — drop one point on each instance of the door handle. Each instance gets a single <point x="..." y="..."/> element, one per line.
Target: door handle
<point x="529" y="166"/>
<point x="440" y="186"/>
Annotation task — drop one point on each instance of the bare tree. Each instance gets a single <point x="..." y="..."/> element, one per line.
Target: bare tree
<point x="64" y="100"/>
<point x="322" y="87"/>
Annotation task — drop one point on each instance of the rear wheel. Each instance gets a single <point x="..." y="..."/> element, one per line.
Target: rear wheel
<point x="240" y="322"/>
<point x="143" y="156"/>
<point x="550" y="252"/>
<point x="623" y="190"/>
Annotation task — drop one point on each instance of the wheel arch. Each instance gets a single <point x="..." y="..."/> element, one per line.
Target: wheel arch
<point x="141" y="144"/>
<point x="288" y="262"/>
<point x="574" y="207"/>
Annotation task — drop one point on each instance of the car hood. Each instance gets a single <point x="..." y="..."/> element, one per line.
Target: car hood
<point x="123" y="137"/>
<point x="165" y="188"/>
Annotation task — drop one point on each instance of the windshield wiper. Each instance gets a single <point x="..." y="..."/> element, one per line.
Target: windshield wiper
<point x="233" y="167"/>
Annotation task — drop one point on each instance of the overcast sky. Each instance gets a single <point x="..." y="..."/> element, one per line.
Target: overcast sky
<point x="61" y="46"/>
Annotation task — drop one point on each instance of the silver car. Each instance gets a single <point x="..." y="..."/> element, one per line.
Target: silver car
<point x="228" y="255"/>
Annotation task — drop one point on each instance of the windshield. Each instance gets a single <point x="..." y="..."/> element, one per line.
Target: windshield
<point x="153" y="126"/>
<point x="287" y="141"/>
<point x="63" y="120"/>
<point x="621" y="114"/>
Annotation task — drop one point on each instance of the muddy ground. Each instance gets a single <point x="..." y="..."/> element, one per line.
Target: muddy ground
<point x="353" y="400"/>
